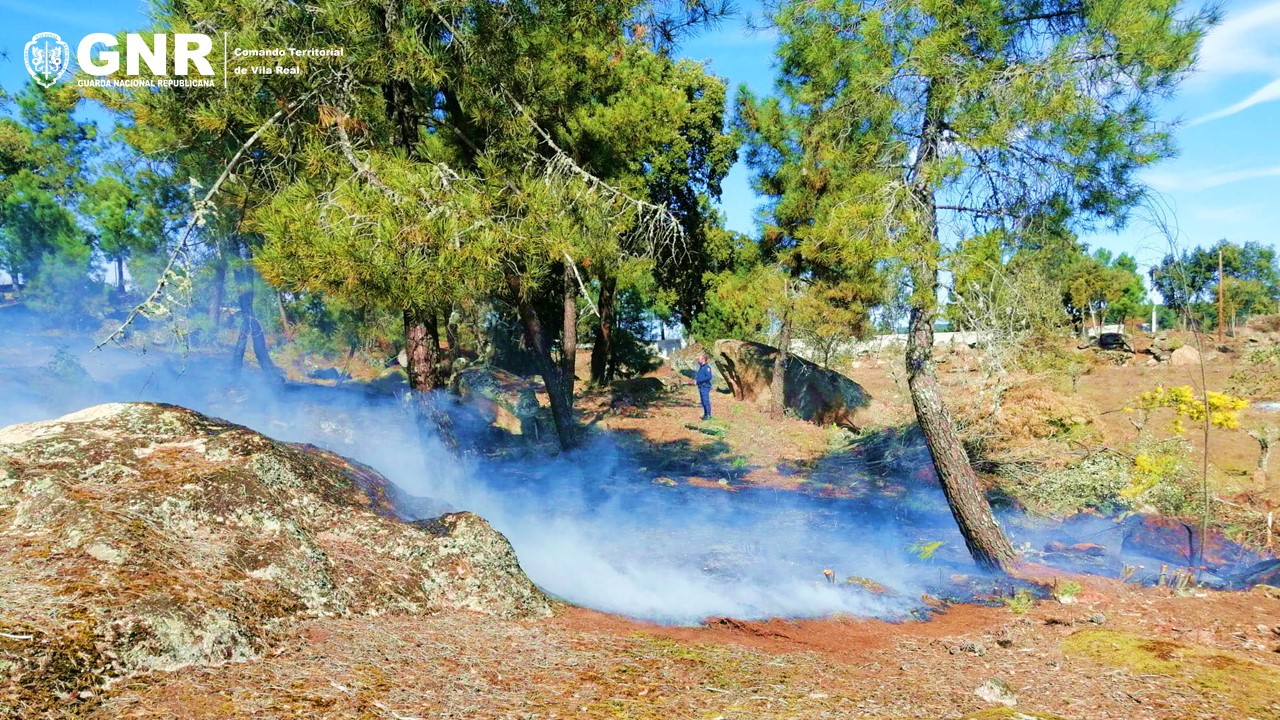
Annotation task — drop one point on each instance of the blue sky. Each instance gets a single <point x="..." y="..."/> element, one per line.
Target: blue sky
<point x="1225" y="182"/>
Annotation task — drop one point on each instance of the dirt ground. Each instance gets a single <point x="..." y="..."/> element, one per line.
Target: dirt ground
<point x="1122" y="652"/>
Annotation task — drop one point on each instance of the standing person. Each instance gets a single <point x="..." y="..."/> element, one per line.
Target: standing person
<point x="703" y="380"/>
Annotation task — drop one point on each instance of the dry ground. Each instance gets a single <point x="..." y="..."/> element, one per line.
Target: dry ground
<point x="1102" y="394"/>
<point x="1123" y="652"/>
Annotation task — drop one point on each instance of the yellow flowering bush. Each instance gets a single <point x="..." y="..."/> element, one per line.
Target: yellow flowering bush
<point x="1223" y="410"/>
<point x="1149" y="470"/>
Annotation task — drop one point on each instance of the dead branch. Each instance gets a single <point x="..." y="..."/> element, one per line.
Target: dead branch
<point x="582" y="286"/>
<point x="196" y="220"/>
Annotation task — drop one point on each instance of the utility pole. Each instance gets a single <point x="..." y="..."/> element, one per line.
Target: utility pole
<point x="1221" y="302"/>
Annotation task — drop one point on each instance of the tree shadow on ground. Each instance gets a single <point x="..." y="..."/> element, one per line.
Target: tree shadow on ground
<point x="683" y="459"/>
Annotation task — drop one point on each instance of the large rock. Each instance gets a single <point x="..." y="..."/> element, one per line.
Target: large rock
<point x="821" y="396"/>
<point x="1184" y="356"/>
<point x="505" y="401"/>
<point x="137" y="536"/>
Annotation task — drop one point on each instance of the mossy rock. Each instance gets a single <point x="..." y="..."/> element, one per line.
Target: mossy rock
<point x="1226" y="680"/>
<point x="139" y="536"/>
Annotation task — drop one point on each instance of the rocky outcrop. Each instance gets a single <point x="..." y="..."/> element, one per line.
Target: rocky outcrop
<point x="824" y="397"/>
<point x="136" y="536"/>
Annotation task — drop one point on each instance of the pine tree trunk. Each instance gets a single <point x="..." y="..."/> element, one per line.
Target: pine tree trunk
<point x="251" y="329"/>
<point x="237" y="352"/>
<point x="569" y="338"/>
<point x="243" y="299"/>
<point x="451" y="333"/>
<point x="120" y="274"/>
<point x="778" y="383"/>
<point x="219" y="289"/>
<point x="284" y="318"/>
<point x="602" y="350"/>
<point x="561" y="409"/>
<point x="982" y="534"/>
<point x="422" y="346"/>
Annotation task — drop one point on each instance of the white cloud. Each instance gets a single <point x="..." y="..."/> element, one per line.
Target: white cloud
<point x="1228" y="213"/>
<point x="1194" y="182"/>
<point x="1247" y="43"/>
<point x="1267" y="93"/>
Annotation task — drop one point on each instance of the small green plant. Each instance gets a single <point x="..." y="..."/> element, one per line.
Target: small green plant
<point x="1264" y="356"/>
<point x="925" y="550"/>
<point x="707" y="429"/>
<point x="1020" y="602"/>
<point x="838" y="438"/>
<point x="1066" y="592"/>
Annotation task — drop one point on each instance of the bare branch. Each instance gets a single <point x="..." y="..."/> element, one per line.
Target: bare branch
<point x="197" y="219"/>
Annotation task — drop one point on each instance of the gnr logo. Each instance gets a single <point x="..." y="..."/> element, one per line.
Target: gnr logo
<point x="47" y="58"/>
<point x="47" y="55"/>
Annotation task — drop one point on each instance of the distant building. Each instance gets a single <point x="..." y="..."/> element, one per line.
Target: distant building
<point x="7" y="286"/>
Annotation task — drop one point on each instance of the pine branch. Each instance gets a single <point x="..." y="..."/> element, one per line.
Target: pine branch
<point x="656" y="223"/>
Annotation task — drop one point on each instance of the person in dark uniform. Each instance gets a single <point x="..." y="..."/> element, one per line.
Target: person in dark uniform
<point x="703" y="380"/>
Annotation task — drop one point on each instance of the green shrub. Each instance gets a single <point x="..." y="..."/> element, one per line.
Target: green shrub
<point x="65" y="292"/>
<point x="1157" y="477"/>
<point x="1021" y="601"/>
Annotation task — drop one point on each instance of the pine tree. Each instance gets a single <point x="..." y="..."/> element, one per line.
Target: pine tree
<point x="459" y="150"/>
<point x="985" y="114"/>
<point x="44" y="169"/>
<point x="807" y="161"/>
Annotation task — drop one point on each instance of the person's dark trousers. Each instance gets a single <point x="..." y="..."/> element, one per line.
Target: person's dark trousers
<point x="705" y="394"/>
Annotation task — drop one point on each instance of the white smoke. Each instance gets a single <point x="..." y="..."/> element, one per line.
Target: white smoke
<point x="591" y="527"/>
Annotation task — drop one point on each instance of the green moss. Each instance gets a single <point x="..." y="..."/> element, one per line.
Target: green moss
<point x="1236" y="681"/>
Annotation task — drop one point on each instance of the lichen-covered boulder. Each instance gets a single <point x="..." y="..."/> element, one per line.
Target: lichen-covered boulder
<point x="138" y="536"/>
<point x="505" y="401"/>
<point x="821" y="396"/>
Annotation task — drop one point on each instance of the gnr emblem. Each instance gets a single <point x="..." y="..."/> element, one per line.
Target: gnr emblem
<point x="47" y="58"/>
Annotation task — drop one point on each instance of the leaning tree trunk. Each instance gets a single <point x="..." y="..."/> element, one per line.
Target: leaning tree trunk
<point x="778" y="383"/>
<point x="422" y="346"/>
<point x="569" y="339"/>
<point x="561" y="404"/>
<point x="602" y="350"/>
<point x="982" y="534"/>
